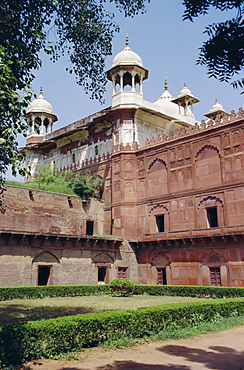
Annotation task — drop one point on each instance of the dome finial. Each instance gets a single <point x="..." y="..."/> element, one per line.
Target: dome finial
<point x="41" y="90"/>
<point x="127" y="40"/>
<point x="216" y="100"/>
<point x="165" y="83"/>
<point x="184" y="84"/>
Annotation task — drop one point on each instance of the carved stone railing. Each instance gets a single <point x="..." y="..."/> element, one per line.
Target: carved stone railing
<point x="198" y="127"/>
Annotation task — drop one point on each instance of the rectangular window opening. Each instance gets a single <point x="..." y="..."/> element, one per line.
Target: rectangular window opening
<point x="89" y="227"/>
<point x="43" y="275"/>
<point x="102" y="272"/>
<point x="162" y="278"/>
<point x="160" y="223"/>
<point x="122" y="272"/>
<point x="212" y="217"/>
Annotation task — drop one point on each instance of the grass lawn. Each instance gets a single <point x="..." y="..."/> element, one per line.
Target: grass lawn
<point x="19" y="310"/>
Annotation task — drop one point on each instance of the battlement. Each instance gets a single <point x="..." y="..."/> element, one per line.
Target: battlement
<point x="204" y="125"/>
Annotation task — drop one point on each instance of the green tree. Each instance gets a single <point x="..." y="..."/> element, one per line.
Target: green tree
<point x="12" y="108"/>
<point x="48" y="174"/>
<point x="223" y="52"/>
<point x="86" y="185"/>
<point x="82" y="28"/>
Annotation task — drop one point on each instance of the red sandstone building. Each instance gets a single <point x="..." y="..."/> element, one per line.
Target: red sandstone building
<point x="173" y="190"/>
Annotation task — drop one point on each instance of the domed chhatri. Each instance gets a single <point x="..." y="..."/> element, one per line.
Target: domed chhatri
<point x="40" y="117"/>
<point x="166" y="101"/>
<point x="185" y="99"/>
<point x="127" y="74"/>
<point x="216" y="110"/>
<point x="41" y="105"/>
<point x="127" y="57"/>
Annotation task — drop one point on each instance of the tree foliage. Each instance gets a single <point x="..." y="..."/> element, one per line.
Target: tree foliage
<point x="223" y="52"/>
<point x="82" y="28"/>
<point x="12" y="107"/>
<point x="121" y="287"/>
<point x="86" y="185"/>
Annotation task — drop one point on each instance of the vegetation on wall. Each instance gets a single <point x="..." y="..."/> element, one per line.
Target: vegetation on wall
<point x="86" y="185"/>
<point x="47" y="177"/>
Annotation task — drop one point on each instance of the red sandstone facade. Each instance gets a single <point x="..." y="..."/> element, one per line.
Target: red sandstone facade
<point x="173" y="190"/>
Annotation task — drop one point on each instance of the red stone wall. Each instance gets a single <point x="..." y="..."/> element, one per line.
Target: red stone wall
<point x="180" y="179"/>
<point x="47" y="212"/>
<point x="188" y="262"/>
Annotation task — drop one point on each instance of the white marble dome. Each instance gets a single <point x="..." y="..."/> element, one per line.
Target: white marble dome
<point x="185" y="91"/>
<point x="40" y="105"/>
<point x="127" y="57"/>
<point x="217" y="107"/>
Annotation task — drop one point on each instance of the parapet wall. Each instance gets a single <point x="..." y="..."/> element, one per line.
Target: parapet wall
<point x="41" y="211"/>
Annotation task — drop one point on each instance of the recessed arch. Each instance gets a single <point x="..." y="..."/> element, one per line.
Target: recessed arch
<point x="46" y="257"/>
<point x="160" y="164"/>
<point x="160" y="259"/>
<point x="213" y="258"/>
<point x="159" y="208"/>
<point x="207" y="151"/>
<point x="102" y="258"/>
<point x="210" y="201"/>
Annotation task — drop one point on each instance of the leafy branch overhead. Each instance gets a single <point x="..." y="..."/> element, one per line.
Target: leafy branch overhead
<point x="81" y="28"/>
<point x="12" y="107"/>
<point x="223" y="52"/>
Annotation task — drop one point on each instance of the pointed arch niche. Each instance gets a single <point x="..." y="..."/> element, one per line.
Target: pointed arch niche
<point x="214" y="269"/>
<point x="157" y="182"/>
<point x="46" y="269"/>
<point x="211" y="214"/>
<point x="103" y="263"/>
<point x="207" y="166"/>
<point x="158" y="219"/>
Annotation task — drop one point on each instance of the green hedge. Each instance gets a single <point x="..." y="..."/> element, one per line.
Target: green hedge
<point x="8" y="293"/>
<point x="189" y="291"/>
<point x="46" y="338"/>
<point x="32" y="292"/>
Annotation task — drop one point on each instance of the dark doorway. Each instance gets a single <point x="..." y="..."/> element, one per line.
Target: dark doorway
<point x="215" y="277"/>
<point x="160" y="223"/>
<point x="212" y="216"/>
<point x="89" y="227"/>
<point x="162" y="279"/>
<point x="102" y="271"/>
<point x="43" y="274"/>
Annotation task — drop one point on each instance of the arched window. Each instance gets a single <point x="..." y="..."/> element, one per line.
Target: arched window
<point x="210" y="213"/>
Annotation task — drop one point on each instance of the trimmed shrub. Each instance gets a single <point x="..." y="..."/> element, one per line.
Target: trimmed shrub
<point x="122" y="287"/>
<point x="190" y="291"/>
<point x="33" y="292"/>
<point x="47" y="338"/>
<point x="7" y="293"/>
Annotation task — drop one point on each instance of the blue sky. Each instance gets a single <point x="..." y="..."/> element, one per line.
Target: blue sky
<point x="168" y="47"/>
